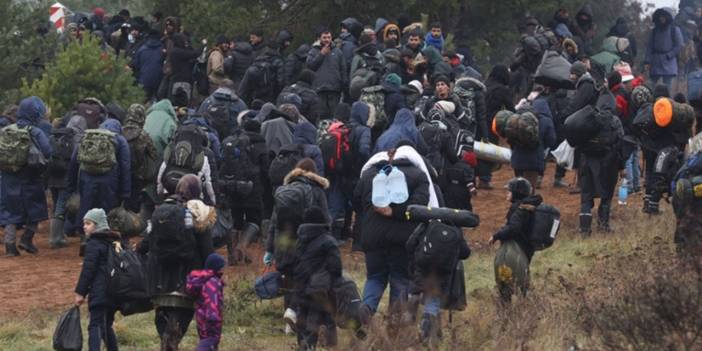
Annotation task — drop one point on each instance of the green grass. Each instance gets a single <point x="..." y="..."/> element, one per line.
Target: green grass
<point x="251" y="324"/>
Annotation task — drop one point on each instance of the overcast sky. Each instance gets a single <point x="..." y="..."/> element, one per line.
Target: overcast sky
<point x="663" y="3"/>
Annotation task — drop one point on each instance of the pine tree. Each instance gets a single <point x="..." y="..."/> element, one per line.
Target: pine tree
<point x="84" y="69"/>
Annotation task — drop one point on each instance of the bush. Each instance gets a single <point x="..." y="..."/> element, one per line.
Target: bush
<point x="84" y="69"/>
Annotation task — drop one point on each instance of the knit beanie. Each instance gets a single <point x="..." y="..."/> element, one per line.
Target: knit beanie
<point x="393" y="80"/>
<point x="214" y="262"/>
<point x="578" y="68"/>
<point x="520" y="188"/>
<point x="97" y="216"/>
<point x="661" y="90"/>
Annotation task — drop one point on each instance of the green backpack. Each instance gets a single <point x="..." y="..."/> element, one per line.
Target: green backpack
<point x="511" y="269"/>
<point x="375" y="96"/>
<point x="14" y="148"/>
<point x="97" y="151"/>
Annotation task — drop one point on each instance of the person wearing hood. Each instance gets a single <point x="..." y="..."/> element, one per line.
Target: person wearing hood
<point x="351" y="30"/>
<point x="265" y="78"/>
<point x="93" y="283"/>
<point x="435" y="37"/>
<point x="169" y="280"/>
<point x="224" y="96"/>
<point x="108" y="190"/>
<point x="22" y="197"/>
<point x="523" y="203"/>
<point x="436" y="65"/>
<point x="586" y="91"/>
<point x="305" y="135"/>
<point x="332" y="75"/>
<point x="181" y="58"/>
<point x="367" y="57"/>
<point x="214" y="141"/>
<point x="148" y="64"/>
<point x="402" y="128"/>
<point x="317" y="269"/>
<point x="160" y="124"/>
<point x="295" y="64"/>
<point x="390" y="37"/>
<point x="664" y="44"/>
<point x="394" y="99"/>
<point x="380" y="24"/>
<point x="206" y="286"/>
<point x="238" y="60"/>
<point x="620" y="29"/>
<point x="584" y="29"/>
<point x="303" y="88"/>
<point x="278" y="130"/>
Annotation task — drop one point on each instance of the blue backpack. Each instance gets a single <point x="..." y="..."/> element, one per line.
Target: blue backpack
<point x="268" y="285"/>
<point x="694" y="85"/>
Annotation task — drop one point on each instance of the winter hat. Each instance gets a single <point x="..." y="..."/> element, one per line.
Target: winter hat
<point x="680" y="98"/>
<point x="441" y="78"/>
<point x="293" y="99"/>
<point x="98" y="216"/>
<point x="394" y="80"/>
<point x="214" y="262"/>
<point x="641" y="95"/>
<point x="221" y="39"/>
<point x="342" y="112"/>
<point x="578" y="68"/>
<point x="661" y="90"/>
<point x="99" y="12"/>
<point x="124" y="13"/>
<point x="624" y="70"/>
<point x="189" y="187"/>
<point x="307" y="76"/>
<point x="136" y="114"/>
<point x="519" y="187"/>
<point x="315" y="215"/>
<point x="417" y="85"/>
<point x="115" y="110"/>
<point x="446" y="106"/>
<point x="365" y="38"/>
<point x="614" y="79"/>
<point x="257" y="104"/>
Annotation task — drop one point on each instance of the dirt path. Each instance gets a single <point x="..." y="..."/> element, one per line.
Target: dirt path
<point x="46" y="281"/>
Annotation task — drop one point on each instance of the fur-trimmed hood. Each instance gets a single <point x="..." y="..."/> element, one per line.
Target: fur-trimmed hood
<point x="204" y="217"/>
<point x="470" y="82"/>
<point x="298" y="172"/>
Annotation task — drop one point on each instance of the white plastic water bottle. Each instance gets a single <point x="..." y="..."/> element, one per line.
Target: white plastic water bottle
<point x="380" y="195"/>
<point x="623" y="192"/>
<point x="397" y="186"/>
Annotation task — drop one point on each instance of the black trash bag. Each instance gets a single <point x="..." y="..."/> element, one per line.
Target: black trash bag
<point x="459" y="218"/>
<point x="136" y="306"/>
<point x="68" y="335"/>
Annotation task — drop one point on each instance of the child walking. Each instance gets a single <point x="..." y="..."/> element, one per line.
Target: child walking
<point x="93" y="280"/>
<point x="206" y="286"/>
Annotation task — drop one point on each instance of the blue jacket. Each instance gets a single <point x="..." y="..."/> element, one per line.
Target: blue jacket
<point x="437" y="43"/>
<point x="394" y="100"/>
<point x="22" y="197"/>
<point x="664" y="44"/>
<point x="348" y="47"/>
<point x="305" y="134"/>
<point x="107" y="190"/>
<point x="93" y="274"/>
<point x="148" y="63"/>
<point x="225" y="95"/>
<point x="402" y="128"/>
<point x="534" y="159"/>
<point x="360" y="137"/>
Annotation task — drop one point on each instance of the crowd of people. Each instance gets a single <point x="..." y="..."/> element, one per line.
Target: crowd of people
<point x="311" y="148"/>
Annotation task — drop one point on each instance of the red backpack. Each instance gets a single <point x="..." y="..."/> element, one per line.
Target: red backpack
<point x="336" y="149"/>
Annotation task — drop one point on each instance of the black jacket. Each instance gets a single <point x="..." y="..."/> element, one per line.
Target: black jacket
<point x="379" y="232"/>
<point x="93" y="275"/>
<point x="319" y="260"/>
<point x="295" y="63"/>
<point x="241" y="58"/>
<point x="520" y="218"/>
<point x="585" y="94"/>
<point x="182" y="61"/>
<point x="250" y="89"/>
<point x="260" y="161"/>
<point x="497" y="98"/>
<point x="304" y="90"/>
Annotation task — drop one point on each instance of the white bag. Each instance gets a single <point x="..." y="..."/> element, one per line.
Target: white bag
<point x="565" y="155"/>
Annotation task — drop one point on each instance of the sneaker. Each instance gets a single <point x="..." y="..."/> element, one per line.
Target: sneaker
<point x="290" y="318"/>
<point x="288" y="330"/>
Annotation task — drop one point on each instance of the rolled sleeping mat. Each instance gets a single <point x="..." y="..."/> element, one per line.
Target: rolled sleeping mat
<point x="491" y="152"/>
<point x="667" y="112"/>
<point x="459" y="218"/>
<point x="511" y="267"/>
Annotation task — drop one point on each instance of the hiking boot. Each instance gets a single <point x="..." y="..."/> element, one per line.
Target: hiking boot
<point x="290" y="317"/>
<point x="26" y="243"/>
<point x="559" y="183"/>
<point x="11" y="250"/>
<point x="231" y="253"/>
<point x="585" y="225"/>
<point x="56" y="238"/>
<point x="603" y="219"/>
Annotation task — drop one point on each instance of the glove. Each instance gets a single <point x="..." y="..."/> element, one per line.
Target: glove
<point x="268" y="258"/>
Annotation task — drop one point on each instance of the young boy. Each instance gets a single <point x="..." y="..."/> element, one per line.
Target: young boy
<point x="519" y="221"/>
<point x="207" y="287"/>
<point x="93" y="280"/>
<point x="318" y="266"/>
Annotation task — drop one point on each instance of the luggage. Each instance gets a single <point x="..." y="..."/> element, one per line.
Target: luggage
<point x="127" y="223"/>
<point x="554" y="71"/>
<point x="14" y="148"/>
<point x="68" y="335"/>
<point x="336" y="149"/>
<point x="130" y="307"/>
<point x="545" y="226"/>
<point x="268" y="286"/>
<point x="172" y="242"/>
<point x="438" y="247"/>
<point x="223" y="226"/>
<point x="97" y="151"/>
<point x="459" y="218"/>
<point x="491" y="152"/>
<point x="607" y="137"/>
<point x="564" y="155"/>
<point x="694" y="86"/>
<point x="581" y="126"/>
<point x="348" y="303"/>
<point x="219" y="116"/>
<point x="523" y="130"/>
<point x="237" y="165"/>
<point x="511" y="267"/>
<point x="126" y="274"/>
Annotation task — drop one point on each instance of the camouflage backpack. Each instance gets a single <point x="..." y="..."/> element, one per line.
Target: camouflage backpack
<point x="97" y="151"/>
<point x="375" y="96"/>
<point x="143" y="156"/>
<point x="523" y="130"/>
<point x="14" y="148"/>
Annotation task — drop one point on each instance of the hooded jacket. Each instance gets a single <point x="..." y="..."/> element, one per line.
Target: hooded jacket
<point x="436" y="43"/>
<point x="160" y="124"/>
<point x="304" y="90"/>
<point x="394" y="100"/>
<point x="278" y="132"/>
<point x="480" y="130"/>
<point x="239" y="60"/>
<point x="349" y="40"/>
<point x="520" y="219"/>
<point x="498" y="96"/>
<point x="402" y="128"/>
<point x="182" y="59"/>
<point x="319" y="260"/>
<point x="435" y="64"/>
<point x="295" y="63"/>
<point x="533" y="159"/>
<point x="251" y="86"/>
<point x="584" y="31"/>
<point x="360" y="136"/>
<point x="585" y="94"/>
<point x="148" y="64"/>
<point x="306" y="135"/>
<point x="664" y="45"/>
<point x="207" y="287"/>
<point x="225" y="96"/>
<point x="93" y="274"/>
<point x="331" y="70"/>
<point x="620" y="29"/>
<point x="22" y="198"/>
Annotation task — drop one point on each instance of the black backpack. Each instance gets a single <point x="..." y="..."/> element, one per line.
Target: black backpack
<point x="218" y="115"/>
<point x="434" y="135"/>
<point x="62" y="146"/>
<point x="608" y="136"/>
<point x="184" y="155"/>
<point x="291" y="201"/>
<point x="348" y="303"/>
<point x="545" y="225"/>
<point x="286" y="160"/>
<point x="237" y="163"/>
<point x="171" y="241"/>
<point x="126" y="274"/>
<point x="438" y="248"/>
<point x="262" y="72"/>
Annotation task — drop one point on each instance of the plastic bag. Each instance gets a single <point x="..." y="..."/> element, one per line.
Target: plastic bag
<point x="565" y="155"/>
<point x="68" y="335"/>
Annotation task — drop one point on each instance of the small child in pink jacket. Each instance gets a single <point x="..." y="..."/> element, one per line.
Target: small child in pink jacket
<point x="207" y="287"/>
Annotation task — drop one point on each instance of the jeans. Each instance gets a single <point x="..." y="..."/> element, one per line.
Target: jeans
<point x="383" y="266"/>
<point x="666" y="80"/>
<point x="633" y="173"/>
<point x="337" y="200"/>
<point x="59" y="197"/>
<point x="432" y="305"/>
<point x="208" y="344"/>
<point x="100" y="328"/>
